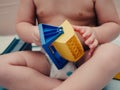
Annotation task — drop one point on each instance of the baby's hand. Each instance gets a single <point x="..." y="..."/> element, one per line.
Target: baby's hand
<point x="36" y="36"/>
<point x="89" y="37"/>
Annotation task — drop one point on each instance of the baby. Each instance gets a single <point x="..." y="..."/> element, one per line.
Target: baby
<point x="97" y="22"/>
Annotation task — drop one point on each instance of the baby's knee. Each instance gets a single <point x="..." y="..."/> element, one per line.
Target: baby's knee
<point x="110" y="49"/>
<point x="11" y="58"/>
<point x="110" y="54"/>
<point x="3" y="66"/>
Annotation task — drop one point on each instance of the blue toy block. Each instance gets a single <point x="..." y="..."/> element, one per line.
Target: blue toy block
<point x="48" y="34"/>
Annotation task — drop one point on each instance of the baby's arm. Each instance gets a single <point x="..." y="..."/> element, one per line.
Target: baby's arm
<point x="108" y="26"/>
<point x="26" y="20"/>
<point x="108" y="20"/>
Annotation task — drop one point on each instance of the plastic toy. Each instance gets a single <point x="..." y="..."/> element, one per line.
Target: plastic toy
<point x="61" y="43"/>
<point x="48" y="34"/>
<point x="117" y="76"/>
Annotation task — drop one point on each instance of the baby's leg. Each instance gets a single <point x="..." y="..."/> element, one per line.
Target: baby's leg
<point x="26" y="70"/>
<point x="97" y="71"/>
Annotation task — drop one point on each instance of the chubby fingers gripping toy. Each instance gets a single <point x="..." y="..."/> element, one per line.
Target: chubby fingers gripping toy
<point x="61" y="43"/>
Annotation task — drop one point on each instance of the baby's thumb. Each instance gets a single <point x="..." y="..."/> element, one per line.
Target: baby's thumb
<point x="79" y="29"/>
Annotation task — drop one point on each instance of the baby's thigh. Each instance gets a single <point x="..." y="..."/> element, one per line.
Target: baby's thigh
<point x="35" y="60"/>
<point x="104" y="54"/>
<point x="107" y="54"/>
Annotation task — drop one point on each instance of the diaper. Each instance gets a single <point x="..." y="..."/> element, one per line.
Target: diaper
<point x="63" y="73"/>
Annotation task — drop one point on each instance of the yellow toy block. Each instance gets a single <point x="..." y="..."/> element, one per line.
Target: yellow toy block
<point x="117" y="76"/>
<point x="68" y="44"/>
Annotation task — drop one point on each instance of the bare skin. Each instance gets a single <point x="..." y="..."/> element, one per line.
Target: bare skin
<point x="28" y="70"/>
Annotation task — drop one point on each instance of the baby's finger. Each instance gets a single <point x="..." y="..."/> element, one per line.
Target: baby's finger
<point x="36" y="40"/>
<point x="86" y="34"/>
<point x="92" y="47"/>
<point x="37" y="43"/>
<point x="90" y="40"/>
<point x="94" y="44"/>
<point x="91" y="52"/>
<point x="79" y="30"/>
<point x="75" y="27"/>
<point x="36" y="33"/>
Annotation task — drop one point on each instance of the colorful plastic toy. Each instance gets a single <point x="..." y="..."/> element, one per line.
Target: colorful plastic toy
<point x="61" y="43"/>
<point x="117" y="76"/>
<point x="68" y="44"/>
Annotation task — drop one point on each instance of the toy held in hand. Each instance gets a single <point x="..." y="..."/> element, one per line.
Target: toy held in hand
<point x="61" y="43"/>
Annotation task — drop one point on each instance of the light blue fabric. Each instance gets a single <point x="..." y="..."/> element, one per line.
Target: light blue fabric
<point x="113" y="85"/>
<point x="1" y="88"/>
<point x="117" y="41"/>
